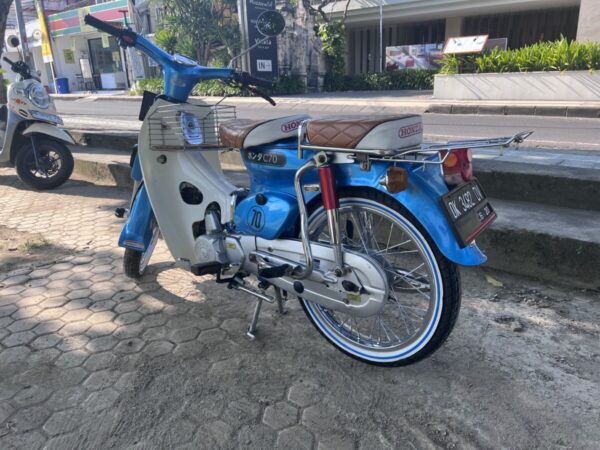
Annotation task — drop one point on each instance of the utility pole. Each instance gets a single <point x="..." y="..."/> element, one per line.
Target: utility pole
<point x="22" y="32"/>
<point x="380" y="35"/>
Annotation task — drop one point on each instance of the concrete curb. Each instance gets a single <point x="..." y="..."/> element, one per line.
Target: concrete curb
<point x="520" y="110"/>
<point x="116" y="140"/>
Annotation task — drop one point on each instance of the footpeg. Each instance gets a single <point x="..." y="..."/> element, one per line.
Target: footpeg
<point x="274" y="272"/>
<point x="210" y="268"/>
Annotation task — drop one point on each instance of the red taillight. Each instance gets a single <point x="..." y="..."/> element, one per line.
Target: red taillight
<point x="457" y="166"/>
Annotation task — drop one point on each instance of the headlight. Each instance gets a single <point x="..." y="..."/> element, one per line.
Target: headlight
<point x="38" y="95"/>
<point x="190" y="127"/>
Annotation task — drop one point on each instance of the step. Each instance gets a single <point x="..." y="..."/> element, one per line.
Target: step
<point x="562" y="186"/>
<point x="547" y="242"/>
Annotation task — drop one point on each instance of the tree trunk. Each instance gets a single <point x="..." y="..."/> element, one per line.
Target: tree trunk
<point x="4" y="9"/>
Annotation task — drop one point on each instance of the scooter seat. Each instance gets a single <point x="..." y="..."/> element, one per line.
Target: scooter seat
<point x="244" y="133"/>
<point x="367" y="133"/>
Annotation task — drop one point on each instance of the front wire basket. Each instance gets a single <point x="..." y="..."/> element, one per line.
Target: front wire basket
<point x="188" y="126"/>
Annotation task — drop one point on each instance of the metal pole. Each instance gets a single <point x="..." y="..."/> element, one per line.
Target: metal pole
<point x="22" y="31"/>
<point x="381" y="35"/>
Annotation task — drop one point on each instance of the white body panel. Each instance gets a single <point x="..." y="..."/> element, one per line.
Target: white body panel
<point x="198" y="167"/>
<point x="49" y="130"/>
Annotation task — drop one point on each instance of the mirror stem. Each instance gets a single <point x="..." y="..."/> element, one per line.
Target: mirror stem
<point x="235" y="58"/>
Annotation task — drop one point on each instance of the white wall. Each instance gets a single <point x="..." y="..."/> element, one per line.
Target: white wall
<point x="69" y="70"/>
<point x="534" y="86"/>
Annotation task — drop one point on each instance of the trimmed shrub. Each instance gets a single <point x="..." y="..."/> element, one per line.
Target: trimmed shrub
<point x="392" y="80"/>
<point x="559" y="55"/>
<point x="283" y="85"/>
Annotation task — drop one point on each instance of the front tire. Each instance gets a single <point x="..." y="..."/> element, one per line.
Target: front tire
<point x="424" y="286"/>
<point x="54" y="167"/>
<point x="135" y="262"/>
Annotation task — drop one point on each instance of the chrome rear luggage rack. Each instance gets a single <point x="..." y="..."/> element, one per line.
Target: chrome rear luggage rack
<point x="413" y="155"/>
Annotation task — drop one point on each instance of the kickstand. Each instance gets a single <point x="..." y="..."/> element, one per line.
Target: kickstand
<point x="279" y="298"/>
<point x="252" y="328"/>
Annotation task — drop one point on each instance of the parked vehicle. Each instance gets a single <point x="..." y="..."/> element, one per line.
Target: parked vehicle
<point x="31" y="140"/>
<point x="356" y="217"/>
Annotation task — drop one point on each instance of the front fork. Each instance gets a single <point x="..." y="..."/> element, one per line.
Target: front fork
<point x="331" y="204"/>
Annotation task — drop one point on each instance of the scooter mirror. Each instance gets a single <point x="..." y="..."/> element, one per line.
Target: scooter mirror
<point x="270" y="23"/>
<point x="13" y="41"/>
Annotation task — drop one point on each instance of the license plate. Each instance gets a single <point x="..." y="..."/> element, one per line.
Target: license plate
<point x="468" y="210"/>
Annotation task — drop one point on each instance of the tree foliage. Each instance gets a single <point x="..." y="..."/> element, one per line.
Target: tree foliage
<point x="332" y="33"/>
<point x="205" y="29"/>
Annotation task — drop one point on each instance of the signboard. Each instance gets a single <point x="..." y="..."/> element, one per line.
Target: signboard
<point x="423" y="56"/>
<point x="466" y="44"/>
<point x="263" y="59"/>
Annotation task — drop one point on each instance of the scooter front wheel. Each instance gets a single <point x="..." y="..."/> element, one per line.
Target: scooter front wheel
<point x="135" y="262"/>
<point x="52" y="167"/>
<point x="424" y="287"/>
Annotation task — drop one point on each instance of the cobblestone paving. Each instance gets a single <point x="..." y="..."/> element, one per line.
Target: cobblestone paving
<point x="91" y="359"/>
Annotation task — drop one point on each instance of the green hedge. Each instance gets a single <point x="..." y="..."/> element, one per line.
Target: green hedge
<point x="392" y="80"/>
<point x="283" y="85"/>
<point x="559" y="55"/>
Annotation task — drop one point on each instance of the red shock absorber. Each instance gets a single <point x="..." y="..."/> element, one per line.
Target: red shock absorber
<point x="328" y="190"/>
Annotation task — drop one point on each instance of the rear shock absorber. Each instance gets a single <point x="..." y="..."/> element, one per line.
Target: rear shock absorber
<point x="331" y="203"/>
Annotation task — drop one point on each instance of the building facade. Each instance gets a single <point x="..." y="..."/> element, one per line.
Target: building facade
<point x="414" y="22"/>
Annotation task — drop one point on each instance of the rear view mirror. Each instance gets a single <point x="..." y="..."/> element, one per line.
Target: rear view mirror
<point x="270" y="23"/>
<point x="13" y="41"/>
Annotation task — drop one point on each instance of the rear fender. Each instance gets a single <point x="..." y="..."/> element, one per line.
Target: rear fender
<point x="421" y="199"/>
<point x="137" y="231"/>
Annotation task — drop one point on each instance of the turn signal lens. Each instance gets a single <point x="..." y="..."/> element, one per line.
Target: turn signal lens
<point x="395" y="180"/>
<point x="458" y="166"/>
<point x="451" y="160"/>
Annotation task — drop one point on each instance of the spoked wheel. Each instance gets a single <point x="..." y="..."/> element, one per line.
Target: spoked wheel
<point x="135" y="262"/>
<point x="424" y="297"/>
<point x="53" y="167"/>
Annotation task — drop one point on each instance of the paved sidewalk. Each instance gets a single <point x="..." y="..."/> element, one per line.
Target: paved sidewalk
<point x="91" y="359"/>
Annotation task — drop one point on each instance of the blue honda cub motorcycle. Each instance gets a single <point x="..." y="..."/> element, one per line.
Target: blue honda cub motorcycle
<point x="358" y="218"/>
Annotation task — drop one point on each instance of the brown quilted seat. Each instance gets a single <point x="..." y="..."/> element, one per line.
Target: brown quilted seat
<point x="244" y="133"/>
<point x="234" y="132"/>
<point x="346" y="132"/>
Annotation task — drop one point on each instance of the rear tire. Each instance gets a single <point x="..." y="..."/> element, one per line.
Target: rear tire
<point x="441" y="283"/>
<point x="53" y="155"/>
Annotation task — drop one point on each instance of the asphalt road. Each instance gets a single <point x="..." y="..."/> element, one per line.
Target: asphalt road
<point x="550" y="132"/>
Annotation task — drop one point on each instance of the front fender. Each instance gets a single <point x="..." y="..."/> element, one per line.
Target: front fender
<point x="49" y="130"/>
<point x="137" y="231"/>
<point x="421" y="198"/>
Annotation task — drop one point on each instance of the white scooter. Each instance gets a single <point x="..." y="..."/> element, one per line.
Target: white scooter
<point x="30" y="138"/>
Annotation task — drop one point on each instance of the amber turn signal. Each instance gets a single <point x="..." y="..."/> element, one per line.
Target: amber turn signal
<point x="395" y="180"/>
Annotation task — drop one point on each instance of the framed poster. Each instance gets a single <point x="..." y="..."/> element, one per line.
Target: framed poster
<point x="423" y="56"/>
<point x="68" y="56"/>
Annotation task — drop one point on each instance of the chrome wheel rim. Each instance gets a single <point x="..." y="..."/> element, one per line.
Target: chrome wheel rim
<point x="48" y="165"/>
<point x="409" y="317"/>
